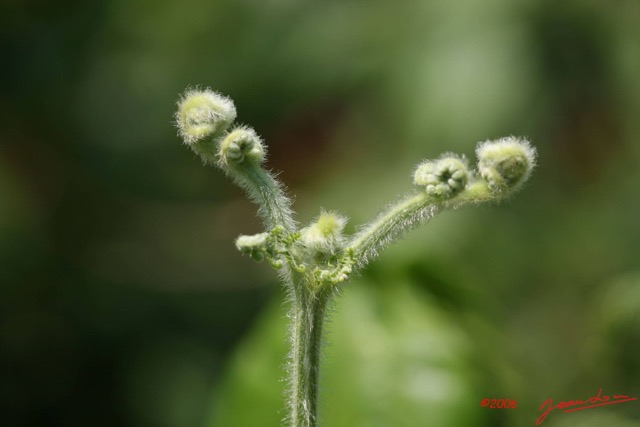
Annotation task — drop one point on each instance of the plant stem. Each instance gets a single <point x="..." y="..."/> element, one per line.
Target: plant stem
<point x="407" y="214"/>
<point x="391" y="224"/>
<point x="265" y="190"/>
<point x="304" y="366"/>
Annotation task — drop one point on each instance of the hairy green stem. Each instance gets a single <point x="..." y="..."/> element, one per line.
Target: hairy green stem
<point x="391" y="224"/>
<point x="406" y="215"/>
<point x="266" y="192"/>
<point x="308" y="313"/>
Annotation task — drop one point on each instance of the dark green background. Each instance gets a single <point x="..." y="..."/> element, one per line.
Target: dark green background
<point x="124" y="303"/>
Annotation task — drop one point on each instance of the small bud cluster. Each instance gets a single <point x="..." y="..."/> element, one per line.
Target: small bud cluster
<point x="272" y="246"/>
<point x="322" y="244"/>
<point x="203" y="118"/>
<point x="256" y="246"/>
<point x="503" y="165"/>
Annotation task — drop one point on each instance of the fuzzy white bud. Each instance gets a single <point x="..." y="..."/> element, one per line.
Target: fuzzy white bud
<point x="203" y="114"/>
<point x="325" y="234"/>
<point x="505" y="164"/>
<point x="255" y="246"/>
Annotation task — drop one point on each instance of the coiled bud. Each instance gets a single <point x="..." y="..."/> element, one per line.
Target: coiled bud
<point x="242" y="144"/>
<point x="444" y="177"/>
<point x="203" y="114"/>
<point x="505" y="164"/>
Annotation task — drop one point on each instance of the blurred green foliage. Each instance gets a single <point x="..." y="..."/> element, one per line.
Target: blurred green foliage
<point x="123" y="302"/>
<point x="392" y="358"/>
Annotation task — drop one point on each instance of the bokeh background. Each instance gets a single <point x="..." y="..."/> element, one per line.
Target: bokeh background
<point x="122" y="299"/>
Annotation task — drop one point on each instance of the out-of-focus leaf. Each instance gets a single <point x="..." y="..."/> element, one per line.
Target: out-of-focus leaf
<point x="391" y="359"/>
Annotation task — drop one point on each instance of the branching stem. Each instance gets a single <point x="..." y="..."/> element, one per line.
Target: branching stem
<point x="314" y="260"/>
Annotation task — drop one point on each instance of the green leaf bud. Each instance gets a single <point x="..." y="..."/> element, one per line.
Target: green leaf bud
<point x="505" y="164"/>
<point x="444" y="177"/>
<point x="203" y="114"/>
<point x="324" y="235"/>
<point x="256" y="246"/>
<point x="240" y="144"/>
